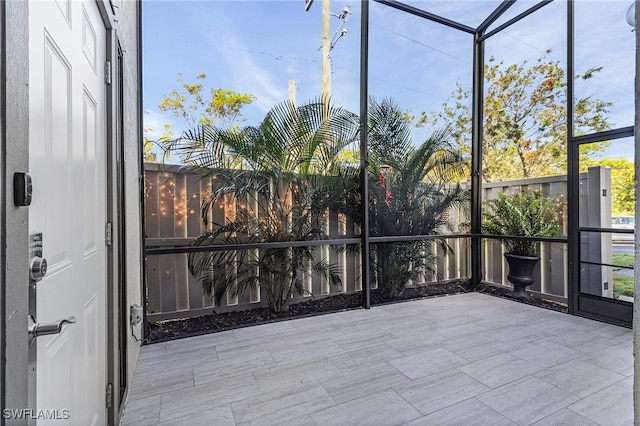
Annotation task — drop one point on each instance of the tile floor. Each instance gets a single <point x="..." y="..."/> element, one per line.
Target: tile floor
<point x="468" y="359"/>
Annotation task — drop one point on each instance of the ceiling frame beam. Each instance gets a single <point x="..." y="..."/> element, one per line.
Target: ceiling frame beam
<point x="516" y="19"/>
<point x="427" y="15"/>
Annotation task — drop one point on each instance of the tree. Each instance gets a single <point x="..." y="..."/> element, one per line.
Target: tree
<point x="413" y="194"/>
<point x="222" y="108"/>
<point x="622" y="183"/>
<point x="524" y="132"/>
<point x="194" y="108"/>
<point x="286" y="179"/>
<point x="148" y="154"/>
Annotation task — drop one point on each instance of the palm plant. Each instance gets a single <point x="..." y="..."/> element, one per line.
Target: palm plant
<point x="412" y="195"/>
<point x="283" y="178"/>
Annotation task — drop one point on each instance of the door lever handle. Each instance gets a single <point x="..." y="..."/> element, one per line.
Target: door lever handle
<point x="37" y="329"/>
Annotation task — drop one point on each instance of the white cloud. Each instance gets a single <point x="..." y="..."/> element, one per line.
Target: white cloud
<point x="237" y="59"/>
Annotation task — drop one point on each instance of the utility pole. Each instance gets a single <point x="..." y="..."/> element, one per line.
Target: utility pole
<point x="292" y="92"/>
<point x="326" y="50"/>
<point x="327" y="43"/>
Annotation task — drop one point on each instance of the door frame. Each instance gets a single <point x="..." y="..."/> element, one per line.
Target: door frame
<point x="14" y="226"/>
<point x="582" y="304"/>
<point x="116" y="344"/>
<point x="116" y="261"/>
<point x="599" y="308"/>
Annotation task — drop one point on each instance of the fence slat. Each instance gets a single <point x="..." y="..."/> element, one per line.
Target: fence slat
<point x="194" y="192"/>
<point x="180" y="212"/>
<point x="152" y="213"/>
<point x="166" y="184"/>
<point x="182" y="282"/>
<point x="196" y="295"/>
<point x="167" y="274"/>
<point x="154" y="292"/>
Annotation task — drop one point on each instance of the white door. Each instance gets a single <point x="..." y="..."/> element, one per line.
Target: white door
<point x="67" y="140"/>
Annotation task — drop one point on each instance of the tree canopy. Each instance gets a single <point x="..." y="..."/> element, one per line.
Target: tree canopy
<point x="525" y="118"/>
<point x="221" y="107"/>
<point x="622" y="182"/>
<point x="193" y="106"/>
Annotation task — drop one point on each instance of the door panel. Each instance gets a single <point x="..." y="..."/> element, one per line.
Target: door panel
<point x="67" y="149"/>
<point x="52" y="155"/>
<point x="58" y="362"/>
<point x="90" y="177"/>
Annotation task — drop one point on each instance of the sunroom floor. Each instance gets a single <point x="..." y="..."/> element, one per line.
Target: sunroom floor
<point x="455" y="360"/>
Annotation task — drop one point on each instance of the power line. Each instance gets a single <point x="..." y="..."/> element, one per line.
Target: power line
<point x="282" y="57"/>
<point x="423" y="44"/>
<point x="273" y="55"/>
<point x="391" y="83"/>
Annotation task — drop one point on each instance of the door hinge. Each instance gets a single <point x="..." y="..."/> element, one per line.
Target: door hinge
<point x="108" y="234"/>
<point x="107" y="72"/>
<point x="109" y="396"/>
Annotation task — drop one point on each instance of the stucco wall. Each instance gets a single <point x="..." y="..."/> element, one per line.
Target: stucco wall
<point x="128" y="35"/>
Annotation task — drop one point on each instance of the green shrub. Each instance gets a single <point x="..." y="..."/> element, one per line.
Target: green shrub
<point x="522" y="214"/>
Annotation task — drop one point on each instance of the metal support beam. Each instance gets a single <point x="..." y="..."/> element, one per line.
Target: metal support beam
<point x="426" y="15"/>
<point x="608" y="135"/>
<point x="498" y="12"/>
<point x="476" y="159"/>
<point x="364" y="150"/>
<point x="573" y="177"/>
<point x="636" y="306"/>
<point x="517" y="18"/>
<point x="154" y="250"/>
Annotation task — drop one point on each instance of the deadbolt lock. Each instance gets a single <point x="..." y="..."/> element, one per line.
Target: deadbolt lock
<point x="38" y="268"/>
<point x="37" y="263"/>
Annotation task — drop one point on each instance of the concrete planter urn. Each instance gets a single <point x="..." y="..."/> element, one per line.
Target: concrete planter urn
<point x="521" y="273"/>
<point x="518" y="220"/>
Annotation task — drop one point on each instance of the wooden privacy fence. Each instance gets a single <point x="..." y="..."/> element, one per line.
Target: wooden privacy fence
<point x="172" y="218"/>
<point x="173" y="198"/>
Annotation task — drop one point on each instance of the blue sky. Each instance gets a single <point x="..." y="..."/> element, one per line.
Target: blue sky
<point x="258" y="46"/>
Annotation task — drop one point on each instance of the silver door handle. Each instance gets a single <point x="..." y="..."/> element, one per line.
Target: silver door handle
<point x="37" y="329"/>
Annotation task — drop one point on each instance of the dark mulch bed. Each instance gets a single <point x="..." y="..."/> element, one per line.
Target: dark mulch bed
<point x="534" y="300"/>
<point x="175" y="329"/>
